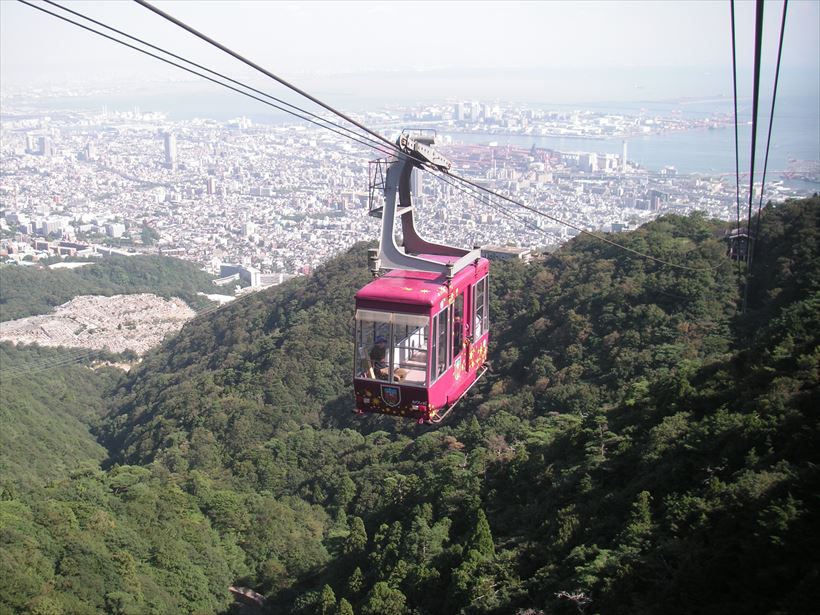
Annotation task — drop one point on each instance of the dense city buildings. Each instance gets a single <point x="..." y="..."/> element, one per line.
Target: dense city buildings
<point x="266" y="201"/>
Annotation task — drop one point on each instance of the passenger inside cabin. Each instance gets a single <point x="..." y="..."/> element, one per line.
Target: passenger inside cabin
<point x="378" y="356"/>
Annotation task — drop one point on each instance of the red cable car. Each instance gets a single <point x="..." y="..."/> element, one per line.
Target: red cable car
<point x="422" y="329"/>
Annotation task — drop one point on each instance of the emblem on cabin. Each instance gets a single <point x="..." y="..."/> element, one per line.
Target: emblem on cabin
<point x="458" y="369"/>
<point x="391" y="395"/>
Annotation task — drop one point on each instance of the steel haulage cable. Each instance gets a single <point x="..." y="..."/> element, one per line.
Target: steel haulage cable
<point x="771" y="115"/>
<point x="737" y="146"/>
<point x="393" y="146"/>
<point x="582" y="230"/>
<point x="335" y="111"/>
<point x="194" y="72"/>
<point x="264" y="71"/>
<point x="213" y="72"/>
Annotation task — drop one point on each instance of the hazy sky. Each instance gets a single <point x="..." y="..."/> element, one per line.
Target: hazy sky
<point x="309" y="41"/>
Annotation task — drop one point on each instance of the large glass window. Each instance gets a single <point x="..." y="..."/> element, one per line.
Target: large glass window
<point x="434" y="350"/>
<point x="458" y="324"/>
<point x="373" y="330"/>
<point x="391" y="346"/>
<point x="410" y="353"/>
<point x="481" y="308"/>
<point x="442" y="327"/>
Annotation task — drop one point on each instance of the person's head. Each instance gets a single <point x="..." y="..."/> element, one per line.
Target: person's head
<point x="381" y="340"/>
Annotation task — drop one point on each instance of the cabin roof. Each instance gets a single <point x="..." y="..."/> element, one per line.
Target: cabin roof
<point x="417" y="287"/>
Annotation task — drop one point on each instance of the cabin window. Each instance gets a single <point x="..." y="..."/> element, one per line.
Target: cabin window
<point x="442" y="327"/>
<point x="480" y="308"/>
<point x="433" y="350"/>
<point x="391" y="346"/>
<point x="410" y="353"/>
<point x="458" y="324"/>
<point x="373" y="345"/>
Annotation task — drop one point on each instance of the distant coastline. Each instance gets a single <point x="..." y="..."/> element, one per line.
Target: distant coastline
<point x="796" y="129"/>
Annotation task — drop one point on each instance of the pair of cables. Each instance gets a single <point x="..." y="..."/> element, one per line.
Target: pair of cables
<point x="758" y="43"/>
<point x="361" y="134"/>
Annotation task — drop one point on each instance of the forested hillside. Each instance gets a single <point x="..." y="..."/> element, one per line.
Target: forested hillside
<point x="640" y="447"/>
<point x="46" y="413"/>
<point x="28" y="291"/>
<point x="75" y="539"/>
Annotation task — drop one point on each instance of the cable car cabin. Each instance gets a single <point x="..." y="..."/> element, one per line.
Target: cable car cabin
<point x="421" y="341"/>
<point x="421" y="329"/>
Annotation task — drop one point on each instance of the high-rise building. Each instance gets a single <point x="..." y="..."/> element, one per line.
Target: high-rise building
<point x="211" y="185"/>
<point x="588" y="162"/>
<point x="623" y="159"/>
<point x="475" y="111"/>
<point x="44" y="146"/>
<point x="170" y="150"/>
<point x="487" y="112"/>
<point x="460" y="111"/>
<point x="51" y="226"/>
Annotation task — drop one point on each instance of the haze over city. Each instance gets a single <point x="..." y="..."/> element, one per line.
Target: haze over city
<point x="534" y="51"/>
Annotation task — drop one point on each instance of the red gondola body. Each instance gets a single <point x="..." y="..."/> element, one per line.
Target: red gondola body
<point x="422" y="329"/>
<point x="436" y="340"/>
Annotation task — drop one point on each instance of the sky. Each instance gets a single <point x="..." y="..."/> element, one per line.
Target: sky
<point x="539" y="50"/>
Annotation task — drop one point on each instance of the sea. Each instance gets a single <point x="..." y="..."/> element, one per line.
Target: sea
<point x="795" y="137"/>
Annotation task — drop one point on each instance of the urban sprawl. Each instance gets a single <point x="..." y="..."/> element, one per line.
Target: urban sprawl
<point x="264" y="202"/>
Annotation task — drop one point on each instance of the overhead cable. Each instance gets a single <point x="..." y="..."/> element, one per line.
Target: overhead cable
<point x="442" y="177"/>
<point x="213" y="72"/>
<point x="755" y="102"/>
<point x="771" y="114"/>
<point x="755" y="105"/>
<point x="583" y="231"/>
<point x="255" y="66"/>
<point x="737" y="147"/>
<point x="394" y="147"/>
<point x="194" y="72"/>
<point x="294" y="88"/>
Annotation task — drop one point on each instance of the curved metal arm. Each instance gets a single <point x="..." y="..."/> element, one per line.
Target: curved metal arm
<point x="393" y="257"/>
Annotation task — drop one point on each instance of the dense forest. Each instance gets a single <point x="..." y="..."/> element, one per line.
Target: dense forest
<point x="28" y="291"/>
<point x="639" y="447"/>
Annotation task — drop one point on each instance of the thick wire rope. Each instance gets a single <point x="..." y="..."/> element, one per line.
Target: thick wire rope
<point x="264" y="71"/>
<point x="737" y="146"/>
<point x="755" y="103"/>
<point x="583" y="231"/>
<point x="213" y="72"/>
<point x="771" y="117"/>
<point x="74" y="355"/>
<point x="198" y="74"/>
<point x="294" y="88"/>
<point x="487" y="202"/>
<point x="393" y="146"/>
